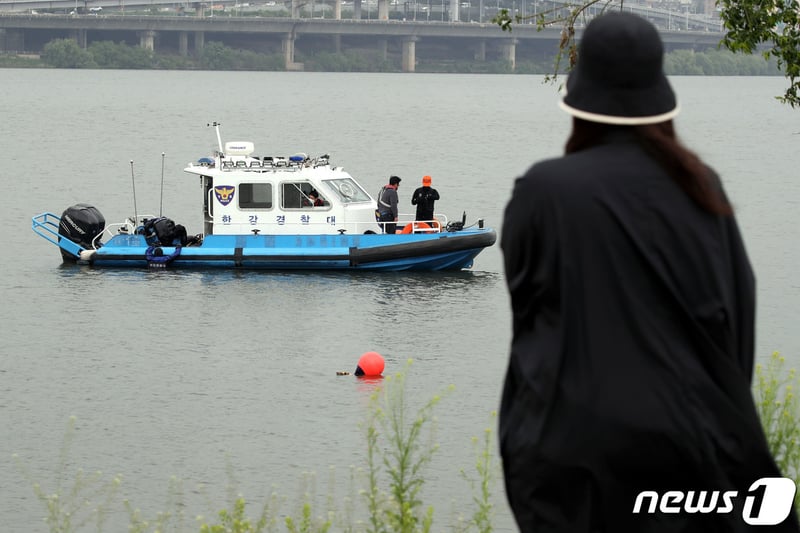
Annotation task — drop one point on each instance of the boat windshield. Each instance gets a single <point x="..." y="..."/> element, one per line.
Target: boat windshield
<point x="347" y="190"/>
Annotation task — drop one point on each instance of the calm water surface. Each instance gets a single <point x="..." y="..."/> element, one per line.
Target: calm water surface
<point x="228" y="379"/>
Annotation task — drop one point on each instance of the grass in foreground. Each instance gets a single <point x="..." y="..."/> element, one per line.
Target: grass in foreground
<point x="401" y="443"/>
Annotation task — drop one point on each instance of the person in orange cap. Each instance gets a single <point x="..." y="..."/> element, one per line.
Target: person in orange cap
<point x="423" y="198"/>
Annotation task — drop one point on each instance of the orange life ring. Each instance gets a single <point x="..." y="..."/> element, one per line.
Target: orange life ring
<point x="409" y="228"/>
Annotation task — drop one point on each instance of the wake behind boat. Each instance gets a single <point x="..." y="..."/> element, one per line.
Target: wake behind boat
<point x="270" y="212"/>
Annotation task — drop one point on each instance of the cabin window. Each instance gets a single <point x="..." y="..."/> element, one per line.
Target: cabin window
<point x="255" y="196"/>
<point x="297" y="195"/>
<point x="347" y="190"/>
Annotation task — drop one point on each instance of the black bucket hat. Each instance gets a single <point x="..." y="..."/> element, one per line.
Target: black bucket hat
<point x="619" y="76"/>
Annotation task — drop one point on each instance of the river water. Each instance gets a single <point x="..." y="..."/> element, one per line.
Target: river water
<point x="193" y="386"/>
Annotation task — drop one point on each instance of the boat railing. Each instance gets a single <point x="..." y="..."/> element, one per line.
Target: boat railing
<point x="269" y="162"/>
<point x="407" y="223"/>
<point x="128" y="227"/>
<point x="46" y="225"/>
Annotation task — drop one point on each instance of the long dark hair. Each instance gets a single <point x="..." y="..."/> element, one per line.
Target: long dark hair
<point x="659" y="140"/>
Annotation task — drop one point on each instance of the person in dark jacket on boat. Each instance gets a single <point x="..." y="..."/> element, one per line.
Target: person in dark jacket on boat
<point x="627" y="395"/>
<point x="424" y="198"/>
<point x="387" y="205"/>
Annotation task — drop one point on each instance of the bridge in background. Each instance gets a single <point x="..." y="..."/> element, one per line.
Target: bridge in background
<point x="153" y="28"/>
<point x="663" y="18"/>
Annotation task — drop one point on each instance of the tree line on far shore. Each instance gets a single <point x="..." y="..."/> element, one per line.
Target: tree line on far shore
<point x="66" y="53"/>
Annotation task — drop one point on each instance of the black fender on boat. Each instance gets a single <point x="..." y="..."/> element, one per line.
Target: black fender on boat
<point x="446" y="243"/>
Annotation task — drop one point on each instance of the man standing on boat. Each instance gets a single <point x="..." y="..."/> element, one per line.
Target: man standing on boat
<point x="387" y="205"/>
<point x="423" y="198"/>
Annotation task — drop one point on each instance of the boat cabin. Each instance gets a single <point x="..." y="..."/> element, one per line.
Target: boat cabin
<point x="244" y="194"/>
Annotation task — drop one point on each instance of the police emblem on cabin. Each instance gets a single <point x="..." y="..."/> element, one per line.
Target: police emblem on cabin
<point x="224" y="194"/>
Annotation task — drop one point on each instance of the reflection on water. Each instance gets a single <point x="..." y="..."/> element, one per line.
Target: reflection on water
<point x="369" y="385"/>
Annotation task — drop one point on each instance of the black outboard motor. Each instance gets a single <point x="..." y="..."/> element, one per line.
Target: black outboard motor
<point x="81" y="223"/>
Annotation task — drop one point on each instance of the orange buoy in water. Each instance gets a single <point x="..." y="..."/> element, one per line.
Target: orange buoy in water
<point x="371" y="364"/>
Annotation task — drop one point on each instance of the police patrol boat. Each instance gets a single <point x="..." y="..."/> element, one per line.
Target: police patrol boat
<point x="296" y="212"/>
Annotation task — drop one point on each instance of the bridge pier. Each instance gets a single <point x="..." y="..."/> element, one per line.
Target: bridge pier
<point x="480" y="51"/>
<point x="79" y="36"/>
<point x="409" y="53"/>
<point x="183" y="43"/>
<point x="295" y="9"/>
<point x="288" y="52"/>
<point x="357" y="9"/>
<point x="199" y="42"/>
<point x="147" y="39"/>
<point x="12" y="40"/>
<point x="337" y="10"/>
<point x="483" y="41"/>
<point x="199" y="9"/>
<point x="510" y="52"/>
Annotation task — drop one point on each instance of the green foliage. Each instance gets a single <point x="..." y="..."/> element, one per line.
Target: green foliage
<point x="683" y="62"/>
<point x="400" y="446"/>
<point x="768" y="27"/>
<point x="19" y="61"/>
<point x="779" y="410"/>
<point x="217" y="56"/>
<point x="488" y="470"/>
<point x="65" y="53"/>
<point x="771" y="27"/>
<point x="108" y="54"/>
<point x="164" y="519"/>
<point x="400" y="510"/>
<point x="716" y="63"/>
<point x="564" y="16"/>
<point x="307" y="523"/>
<point x="86" y="500"/>
<point x="235" y="521"/>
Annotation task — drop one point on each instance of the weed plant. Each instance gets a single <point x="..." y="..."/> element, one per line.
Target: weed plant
<point x="400" y="445"/>
<point x="779" y="410"/>
<point x="404" y="459"/>
<point x="85" y="502"/>
<point x="488" y="471"/>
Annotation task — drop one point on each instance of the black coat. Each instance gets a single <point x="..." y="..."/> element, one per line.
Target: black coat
<point x="632" y="352"/>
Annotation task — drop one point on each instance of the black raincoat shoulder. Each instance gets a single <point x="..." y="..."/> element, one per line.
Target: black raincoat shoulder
<point x="632" y="352"/>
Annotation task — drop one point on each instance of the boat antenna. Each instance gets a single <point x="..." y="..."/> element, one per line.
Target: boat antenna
<point x="161" y="205"/>
<point x="219" y="139"/>
<point x="135" y="212"/>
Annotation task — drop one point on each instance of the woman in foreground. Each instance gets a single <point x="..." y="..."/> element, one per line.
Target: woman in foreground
<point x="627" y="403"/>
